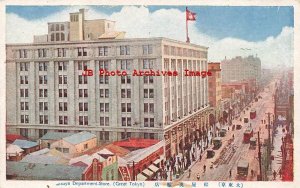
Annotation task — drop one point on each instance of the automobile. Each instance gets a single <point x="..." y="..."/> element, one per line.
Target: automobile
<point x="252" y="113"/>
<point x="210" y="153"/>
<point x="223" y="132"/>
<point x="243" y="167"/>
<point x="252" y="141"/>
<point x="217" y="142"/>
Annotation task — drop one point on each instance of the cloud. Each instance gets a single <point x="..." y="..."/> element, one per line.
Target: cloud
<point x="140" y="22"/>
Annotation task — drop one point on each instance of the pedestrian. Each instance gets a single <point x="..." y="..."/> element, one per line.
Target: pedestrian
<point x="230" y="173"/>
<point x="204" y="168"/>
<point x="274" y="175"/>
<point x="190" y="173"/>
<point x="252" y="173"/>
<point x="280" y="172"/>
<point x="198" y="177"/>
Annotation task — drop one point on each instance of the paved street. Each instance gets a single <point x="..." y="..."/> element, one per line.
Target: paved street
<point x="227" y="157"/>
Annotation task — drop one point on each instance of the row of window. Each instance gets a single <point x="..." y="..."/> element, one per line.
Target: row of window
<point x="83" y="65"/>
<point x="83" y="120"/>
<point x="58" y="37"/>
<point x="83" y="106"/>
<point x="177" y="51"/>
<point x="104" y="135"/>
<point x="57" y="27"/>
<point x="81" y="51"/>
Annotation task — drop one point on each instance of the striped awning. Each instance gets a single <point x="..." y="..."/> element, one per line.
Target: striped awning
<point x="153" y="168"/>
<point x="157" y="161"/>
<point x="148" y="172"/>
<point x="141" y="177"/>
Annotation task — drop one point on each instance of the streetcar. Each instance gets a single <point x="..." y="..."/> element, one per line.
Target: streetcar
<point x="248" y="134"/>
<point x="243" y="167"/>
<point x="217" y="142"/>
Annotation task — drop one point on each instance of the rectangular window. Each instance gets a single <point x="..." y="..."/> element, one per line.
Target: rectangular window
<point x="146" y="110"/>
<point x="43" y="119"/>
<point x="82" y="65"/>
<point x="103" y="79"/>
<point x="148" y="63"/>
<point x="22" y="53"/>
<point x="83" y="93"/>
<point x="104" y="107"/>
<point x="125" y="64"/>
<point x="83" y="106"/>
<point x="24" y="66"/>
<point x="43" y="79"/>
<point x="61" y="52"/>
<point x="104" y="121"/>
<point x="147" y="49"/>
<point x="126" y="121"/>
<point x="42" y="52"/>
<point x="24" y="118"/>
<point x="43" y="66"/>
<point x="62" y="93"/>
<point x="82" y="79"/>
<point x="104" y="93"/>
<point x="103" y="51"/>
<point x="24" y="106"/>
<point x="103" y="65"/>
<point x="63" y="120"/>
<point x="128" y="107"/>
<point x="125" y="79"/>
<point x="43" y="93"/>
<point x="82" y="51"/>
<point x="83" y="120"/>
<point x="124" y="50"/>
<point x="62" y="66"/>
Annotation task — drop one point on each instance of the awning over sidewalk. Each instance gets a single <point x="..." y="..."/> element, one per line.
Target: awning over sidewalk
<point x="148" y="172"/>
<point x="141" y="177"/>
<point x="153" y="168"/>
<point x="157" y="161"/>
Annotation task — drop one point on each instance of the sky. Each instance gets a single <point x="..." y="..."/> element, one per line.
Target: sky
<point x="264" y="31"/>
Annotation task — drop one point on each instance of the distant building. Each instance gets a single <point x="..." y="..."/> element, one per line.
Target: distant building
<point x="241" y="69"/>
<point x="214" y="84"/>
<point x="76" y="143"/>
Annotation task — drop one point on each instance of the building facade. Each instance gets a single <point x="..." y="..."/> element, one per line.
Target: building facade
<point x="214" y="84"/>
<point x="47" y="91"/>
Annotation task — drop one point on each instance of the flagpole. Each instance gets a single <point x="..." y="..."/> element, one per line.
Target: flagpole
<point x="187" y="28"/>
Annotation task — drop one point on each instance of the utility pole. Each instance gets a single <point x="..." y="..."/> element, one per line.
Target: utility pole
<point x="269" y="141"/>
<point x="259" y="159"/>
<point x="133" y="170"/>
